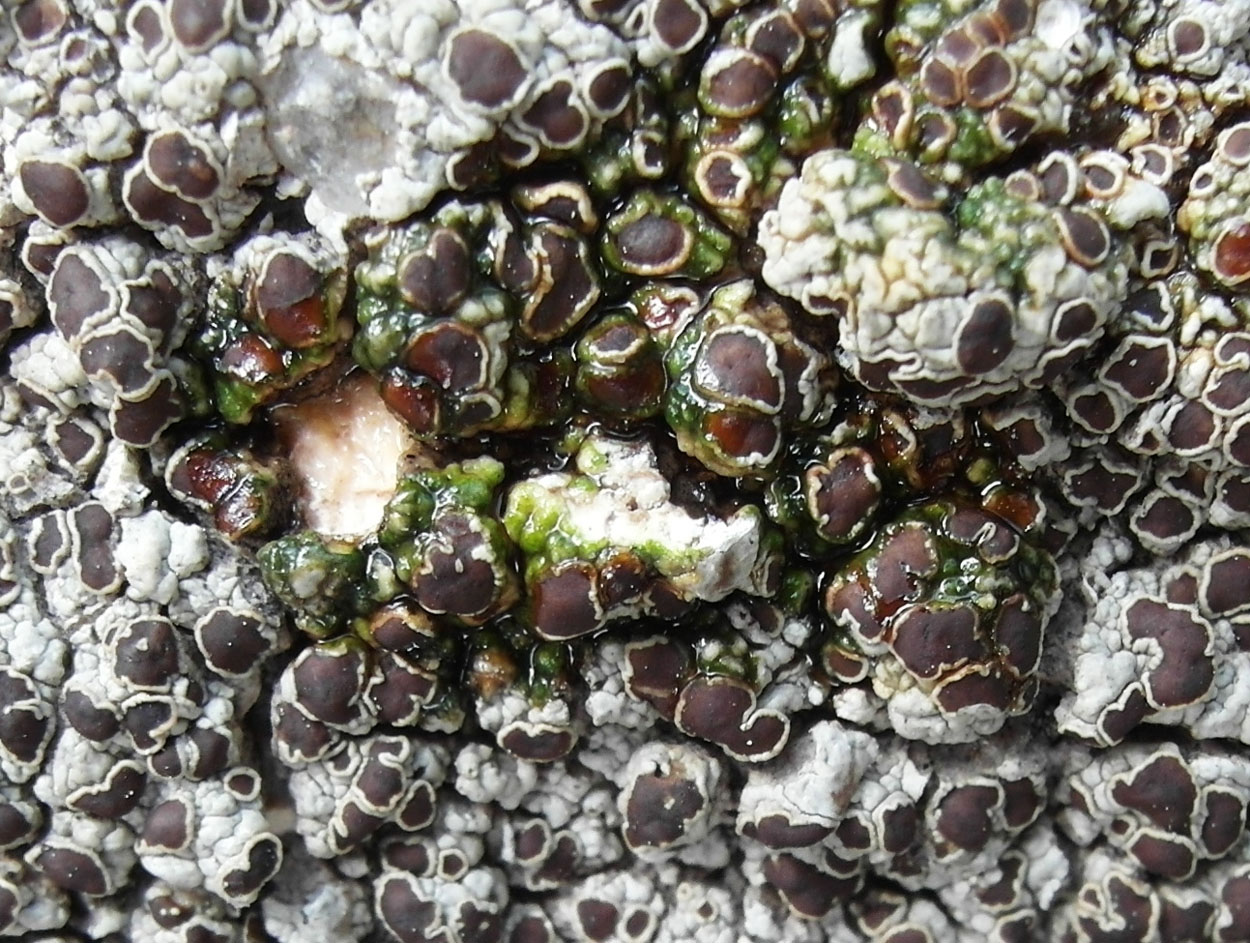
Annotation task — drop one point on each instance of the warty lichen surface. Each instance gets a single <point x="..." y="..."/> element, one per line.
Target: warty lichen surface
<point x="545" y="471"/>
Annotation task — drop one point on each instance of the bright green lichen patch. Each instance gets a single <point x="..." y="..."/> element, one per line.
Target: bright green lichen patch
<point x="606" y="542"/>
<point x="445" y="542"/>
<point x="320" y="580"/>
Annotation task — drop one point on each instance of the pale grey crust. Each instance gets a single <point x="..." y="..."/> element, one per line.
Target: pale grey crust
<point x="876" y="571"/>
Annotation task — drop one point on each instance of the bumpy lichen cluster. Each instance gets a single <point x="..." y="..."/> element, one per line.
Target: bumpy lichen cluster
<point x="976" y="81"/>
<point x="625" y="470"/>
<point x="953" y="597"/>
<point x="949" y="304"/>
